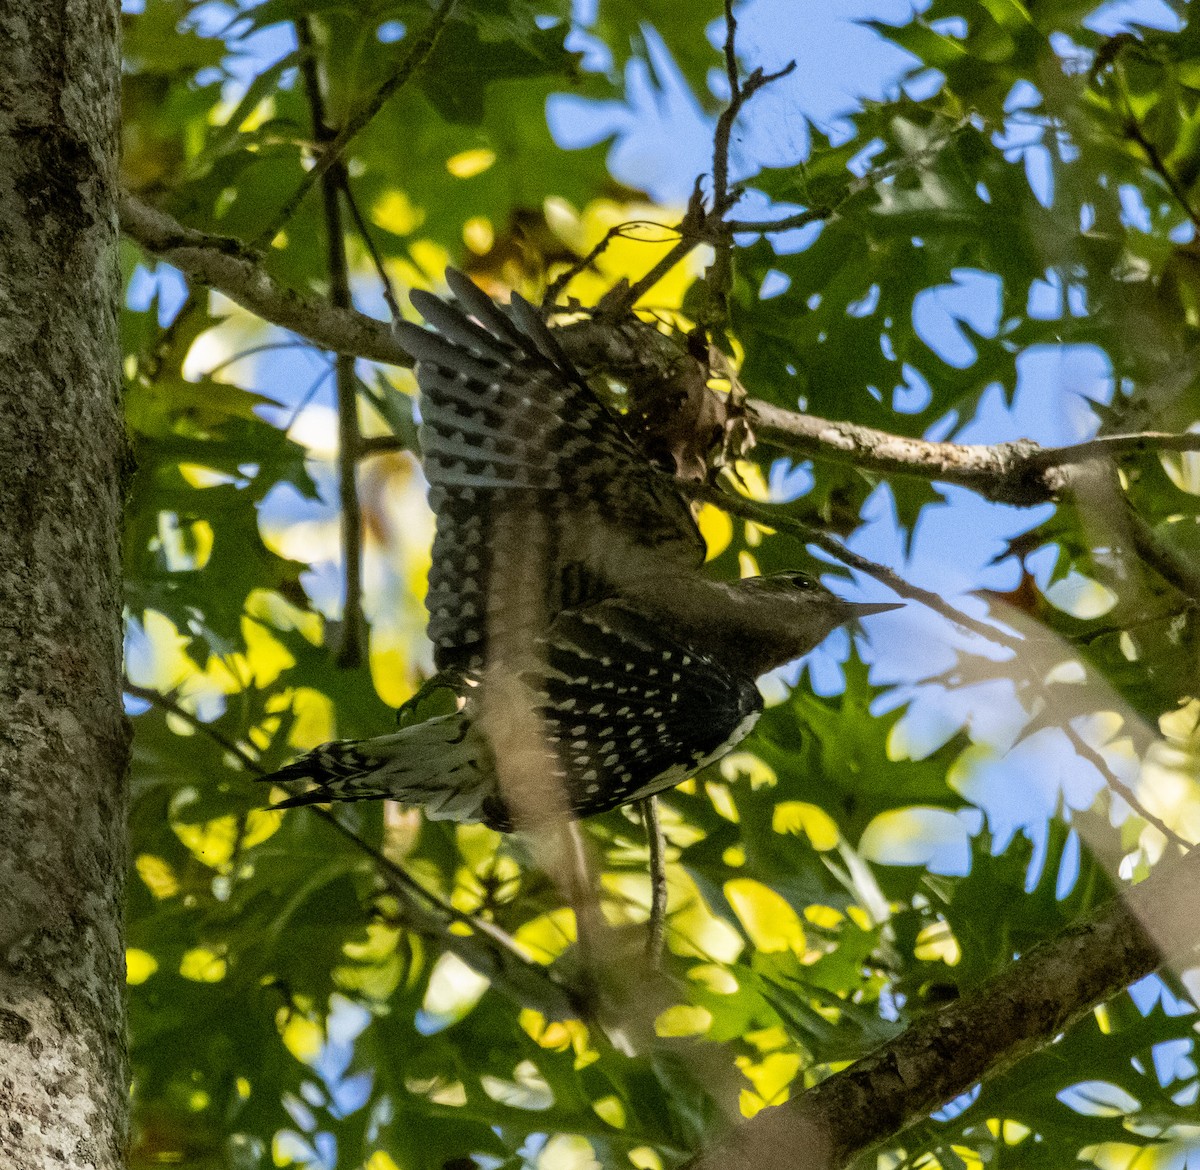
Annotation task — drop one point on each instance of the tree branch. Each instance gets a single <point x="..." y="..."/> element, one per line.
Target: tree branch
<point x="1021" y="473"/>
<point x="856" y="186"/>
<point x="232" y="268"/>
<point x="364" y="231"/>
<point x="773" y="516"/>
<point x="946" y="1053"/>
<point x="1123" y="790"/>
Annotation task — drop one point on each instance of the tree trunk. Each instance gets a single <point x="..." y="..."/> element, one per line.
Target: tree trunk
<point x="63" y="737"/>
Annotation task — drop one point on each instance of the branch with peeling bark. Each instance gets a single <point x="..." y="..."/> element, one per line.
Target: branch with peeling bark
<point x="982" y="1034"/>
<point x="1021" y="473"/>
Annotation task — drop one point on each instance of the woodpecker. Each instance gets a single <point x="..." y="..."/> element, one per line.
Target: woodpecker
<point x="565" y="597"/>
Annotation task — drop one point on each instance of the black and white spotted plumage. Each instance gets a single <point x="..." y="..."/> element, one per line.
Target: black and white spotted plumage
<point x="537" y="490"/>
<point x="565" y="562"/>
<point x="626" y="712"/>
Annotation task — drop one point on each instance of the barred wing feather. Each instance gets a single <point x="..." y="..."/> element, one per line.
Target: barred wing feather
<point x="534" y="483"/>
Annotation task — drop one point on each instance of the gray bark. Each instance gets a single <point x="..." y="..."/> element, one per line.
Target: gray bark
<point x="63" y="737"/>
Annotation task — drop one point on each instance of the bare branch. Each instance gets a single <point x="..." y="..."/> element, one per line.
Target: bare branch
<point x="692" y="233"/>
<point x="232" y="268"/>
<point x="364" y="231"/>
<point x="856" y="186"/>
<point x="1133" y="126"/>
<point x="1160" y="556"/>
<point x="719" y="279"/>
<point x="1122" y="789"/>
<point x="658" y="879"/>
<point x="1020" y="473"/>
<point x="621" y="230"/>
<point x="982" y="1034"/>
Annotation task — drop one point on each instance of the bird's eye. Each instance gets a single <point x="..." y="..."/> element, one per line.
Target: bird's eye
<point x="799" y="580"/>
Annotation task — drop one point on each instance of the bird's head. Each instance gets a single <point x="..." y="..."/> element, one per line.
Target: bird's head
<point x="784" y="615"/>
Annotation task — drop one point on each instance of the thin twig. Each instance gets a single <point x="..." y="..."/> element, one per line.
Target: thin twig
<point x="772" y="517"/>
<point x="692" y="231"/>
<point x="1122" y="789"/>
<point x="1112" y="446"/>
<point x="1133" y="128"/>
<point x="350" y="649"/>
<point x="724" y="127"/>
<point x="561" y="281"/>
<point x="634" y="293"/>
<point x="333" y="150"/>
<point x="251" y="351"/>
<point x="380" y="445"/>
<point x="658" y="879"/>
<point x="1160" y="556"/>
<point x="1159" y="165"/>
<point x="718" y="281"/>
<point x="872" y="178"/>
<point x="364" y="232"/>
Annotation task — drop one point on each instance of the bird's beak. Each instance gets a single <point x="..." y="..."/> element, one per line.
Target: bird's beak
<point x="862" y="609"/>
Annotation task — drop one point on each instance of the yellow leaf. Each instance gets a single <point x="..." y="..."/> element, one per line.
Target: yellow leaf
<point x="157" y="874"/>
<point x="714" y="978"/>
<point x="798" y="816"/>
<point x="376" y="981"/>
<point x="738" y="764"/>
<point x="478" y="234"/>
<point x="139" y="966"/>
<point x="266" y="656"/>
<point x="684" y="1019"/>
<point x="381" y="1160"/>
<point x="548" y="935"/>
<point x="380" y="943"/>
<point x="767" y="918"/>
<point x="610" y="1110"/>
<point x="396" y="213"/>
<point x="937" y="941"/>
<point x="454" y="989"/>
<point x="302" y="1037"/>
<point x="202" y="965"/>
<point x="469" y="163"/>
<point x="313" y="723"/>
<point x="697" y="932"/>
<point x="261" y="823"/>
<point x="211" y="842"/>
<point x="717" y="529"/>
<point x="825" y="917"/>
<point x="772" y="1076"/>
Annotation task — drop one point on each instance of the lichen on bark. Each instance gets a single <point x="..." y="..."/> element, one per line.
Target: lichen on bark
<point x="63" y="737"/>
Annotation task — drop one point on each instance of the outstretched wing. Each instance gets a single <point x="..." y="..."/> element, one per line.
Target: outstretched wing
<point x="542" y="501"/>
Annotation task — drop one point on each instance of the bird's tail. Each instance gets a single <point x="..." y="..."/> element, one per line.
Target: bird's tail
<point x="440" y="765"/>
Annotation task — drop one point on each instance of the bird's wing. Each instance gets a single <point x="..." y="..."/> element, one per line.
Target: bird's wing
<point x="630" y="710"/>
<point x="542" y="501"/>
